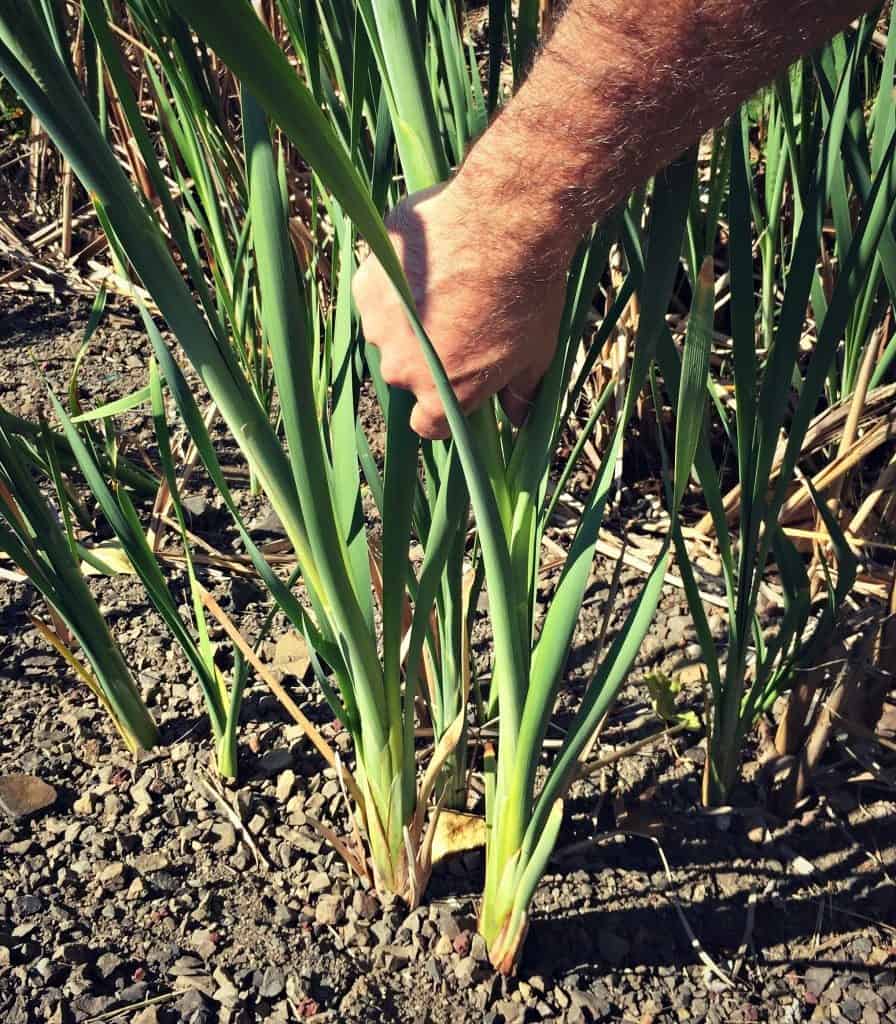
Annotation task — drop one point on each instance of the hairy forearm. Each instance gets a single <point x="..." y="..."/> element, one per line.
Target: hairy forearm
<point x="622" y="87"/>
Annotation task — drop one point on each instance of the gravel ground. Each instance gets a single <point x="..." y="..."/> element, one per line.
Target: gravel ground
<point x="134" y="891"/>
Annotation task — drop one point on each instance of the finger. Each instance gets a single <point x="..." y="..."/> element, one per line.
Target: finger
<point x="517" y="397"/>
<point x="361" y="282"/>
<point x="396" y="371"/>
<point x="430" y="422"/>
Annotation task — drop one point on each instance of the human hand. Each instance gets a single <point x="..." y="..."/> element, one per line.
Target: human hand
<point x="490" y="312"/>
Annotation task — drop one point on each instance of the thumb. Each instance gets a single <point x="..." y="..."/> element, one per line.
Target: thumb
<point x="430" y="422"/>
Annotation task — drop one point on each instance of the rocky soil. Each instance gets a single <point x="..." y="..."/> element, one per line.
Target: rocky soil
<point x="147" y="892"/>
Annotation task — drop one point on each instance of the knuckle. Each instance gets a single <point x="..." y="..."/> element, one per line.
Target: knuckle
<point x="392" y="369"/>
<point x="429" y="419"/>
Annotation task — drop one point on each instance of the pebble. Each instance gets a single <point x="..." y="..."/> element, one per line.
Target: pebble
<point x="800" y="866"/>
<point x="73" y="952"/>
<point x="108" y="964"/>
<point x="329" y="910"/>
<point x="511" y="1012"/>
<point x="28" y="904"/>
<point x="185" y="966"/>
<point x="271" y="983"/>
<point x="478" y="949"/>
<point x="318" y="882"/>
<point x="204" y="942"/>
<point x="817" y="978"/>
<point x="134" y="993"/>
<point x="195" y="1007"/>
<point x="275" y="761"/>
<point x="148" y="863"/>
<point x="365" y="905"/>
<point x="464" y="970"/>
<point x="851" y="1009"/>
<point x="589" y="1002"/>
<point x="84" y="804"/>
<point x="226" y="837"/>
<point x="24" y="795"/>
<point x="148" y="1015"/>
<point x="286" y="782"/>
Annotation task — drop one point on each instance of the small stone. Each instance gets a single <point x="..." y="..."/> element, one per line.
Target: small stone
<point x="447" y="924"/>
<point x="598" y="1007"/>
<point x="851" y="1009"/>
<point x="73" y="952"/>
<point x="136" y="889"/>
<point x="464" y="970"/>
<point x="195" y="1007"/>
<point x="112" y="876"/>
<point x="365" y="905"/>
<point x="201" y="982"/>
<point x="226" y="837"/>
<point x="319" y="882"/>
<point x="23" y="795"/>
<point x="443" y="946"/>
<point x="817" y="978"/>
<point x="276" y="761"/>
<point x="148" y="863"/>
<point x="691" y="673"/>
<point x="801" y="866"/>
<point x="93" y="1005"/>
<point x="108" y="964"/>
<point x="478" y="949"/>
<point x="513" y="1013"/>
<point x="285" y="915"/>
<point x="28" y="904"/>
<point x="205" y="943"/>
<point x="227" y="994"/>
<point x="141" y="795"/>
<point x="179" y="752"/>
<point x="148" y="1015"/>
<point x="272" y="983"/>
<point x="433" y="970"/>
<point x="285" y="785"/>
<point x="195" y="504"/>
<point x="561" y="998"/>
<point x="135" y="993"/>
<point x="185" y="966"/>
<point x="84" y="804"/>
<point x="329" y="911"/>
<point x="383" y="930"/>
<point x="269" y="523"/>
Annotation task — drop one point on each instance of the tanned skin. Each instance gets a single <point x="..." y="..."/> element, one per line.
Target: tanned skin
<point x="620" y="89"/>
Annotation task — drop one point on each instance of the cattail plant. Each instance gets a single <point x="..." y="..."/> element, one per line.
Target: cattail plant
<point x="508" y="493"/>
<point x="390" y="70"/>
<point x="313" y="484"/>
<point x="46" y="551"/>
<point x="783" y="387"/>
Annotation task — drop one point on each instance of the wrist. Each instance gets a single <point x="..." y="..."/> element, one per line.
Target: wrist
<point x="516" y="219"/>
